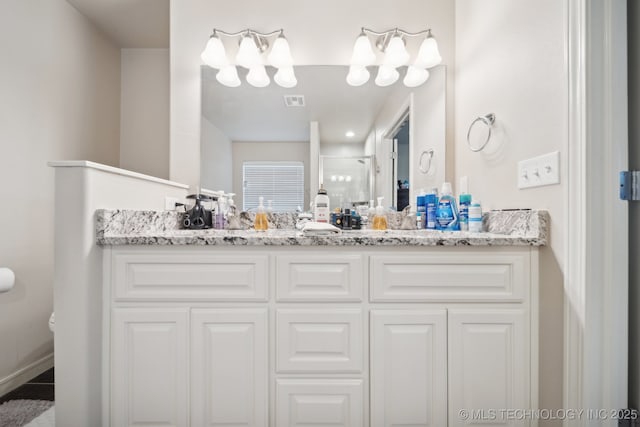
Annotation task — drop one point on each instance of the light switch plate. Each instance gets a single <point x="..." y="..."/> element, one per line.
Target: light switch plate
<point x="539" y="171"/>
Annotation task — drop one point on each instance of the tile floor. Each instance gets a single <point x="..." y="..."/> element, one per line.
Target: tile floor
<point x="38" y="388"/>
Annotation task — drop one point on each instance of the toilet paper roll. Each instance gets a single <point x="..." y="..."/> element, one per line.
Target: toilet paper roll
<point x="7" y="279"/>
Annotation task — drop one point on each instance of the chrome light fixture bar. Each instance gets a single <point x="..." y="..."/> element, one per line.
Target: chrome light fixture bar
<point x="393" y="44"/>
<point x="252" y="47"/>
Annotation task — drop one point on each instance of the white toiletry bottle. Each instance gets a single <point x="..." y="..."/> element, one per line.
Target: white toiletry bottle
<point x="475" y="216"/>
<point x="322" y="212"/>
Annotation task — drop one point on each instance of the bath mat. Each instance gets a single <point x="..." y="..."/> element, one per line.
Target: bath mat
<point x="17" y="413"/>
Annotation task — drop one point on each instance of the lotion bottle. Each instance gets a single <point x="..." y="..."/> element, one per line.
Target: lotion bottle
<point x="322" y="212"/>
<point x="261" y="223"/>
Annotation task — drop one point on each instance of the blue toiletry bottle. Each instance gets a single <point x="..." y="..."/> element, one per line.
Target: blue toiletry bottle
<point x="431" y="202"/>
<point x="421" y="207"/>
<point x="447" y="217"/>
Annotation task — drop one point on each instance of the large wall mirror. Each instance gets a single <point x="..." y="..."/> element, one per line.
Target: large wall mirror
<point x="382" y="131"/>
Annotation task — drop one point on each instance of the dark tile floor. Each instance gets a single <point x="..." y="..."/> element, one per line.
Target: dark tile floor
<point x="38" y="388"/>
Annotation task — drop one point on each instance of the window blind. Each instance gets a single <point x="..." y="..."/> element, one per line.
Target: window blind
<point x="281" y="182"/>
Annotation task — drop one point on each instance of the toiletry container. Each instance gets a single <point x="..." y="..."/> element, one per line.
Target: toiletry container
<point x="261" y="223"/>
<point x="475" y="217"/>
<point x="322" y="212"/>
<point x="431" y="206"/>
<point x="380" y="218"/>
<point x="465" y="201"/>
<point x="421" y="207"/>
<point x="447" y="217"/>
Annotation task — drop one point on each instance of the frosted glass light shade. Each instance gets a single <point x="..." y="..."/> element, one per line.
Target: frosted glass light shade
<point x="428" y="55"/>
<point x="214" y="54"/>
<point x="285" y="77"/>
<point x="363" y="54"/>
<point x="280" y="55"/>
<point x="248" y="55"/>
<point x="396" y="54"/>
<point x="415" y="76"/>
<point x="228" y="76"/>
<point x="387" y="75"/>
<point x="358" y="75"/>
<point x="258" y="77"/>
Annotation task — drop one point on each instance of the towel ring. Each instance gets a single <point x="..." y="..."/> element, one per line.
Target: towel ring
<point x="488" y="120"/>
<point x="430" y="153"/>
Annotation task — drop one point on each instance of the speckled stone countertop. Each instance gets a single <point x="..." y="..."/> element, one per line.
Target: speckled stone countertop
<point x="502" y="228"/>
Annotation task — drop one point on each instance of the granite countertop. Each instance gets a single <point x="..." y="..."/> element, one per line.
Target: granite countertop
<point x="503" y="228"/>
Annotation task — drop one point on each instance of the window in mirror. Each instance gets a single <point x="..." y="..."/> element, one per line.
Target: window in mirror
<point x="280" y="183"/>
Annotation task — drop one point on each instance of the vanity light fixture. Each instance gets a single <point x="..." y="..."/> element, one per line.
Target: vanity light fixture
<point x="252" y="47"/>
<point x="393" y="44"/>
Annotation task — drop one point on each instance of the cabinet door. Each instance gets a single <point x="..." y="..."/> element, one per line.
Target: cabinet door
<point x="229" y="373"/>
<point x="149" y="367"/>
<point x="408" y="368"/>
<point x="489" y="366"/>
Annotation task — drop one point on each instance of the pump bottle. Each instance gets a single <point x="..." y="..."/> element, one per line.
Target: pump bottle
<point x="380" y="219"/>
<point x="261" y="223"/>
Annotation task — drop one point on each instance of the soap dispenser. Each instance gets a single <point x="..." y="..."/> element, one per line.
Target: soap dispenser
<point x="261" y="223"/>
<point x="380" y="219"/>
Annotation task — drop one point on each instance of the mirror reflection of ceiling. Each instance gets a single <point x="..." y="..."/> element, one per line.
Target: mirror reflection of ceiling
<point x="247" y="113"/>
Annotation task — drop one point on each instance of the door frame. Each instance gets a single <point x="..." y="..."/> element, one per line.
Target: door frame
<point x="596" y="270"/>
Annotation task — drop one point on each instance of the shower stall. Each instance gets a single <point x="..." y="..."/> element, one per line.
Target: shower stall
<point x="349" y="181"/>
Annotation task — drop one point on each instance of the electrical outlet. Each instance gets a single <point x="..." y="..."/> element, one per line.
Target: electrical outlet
<point x="539" y="171"/>
<point x="170" y="203"/>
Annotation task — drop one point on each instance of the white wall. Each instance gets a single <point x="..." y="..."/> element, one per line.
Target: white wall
<point x="60" y="86"/>
<point x="215" y="153"/>
<point x="80" y="189"/>
<point x="268" y="151"/>
<point x="144" y="113"/>
<point x="342" y="150"/>
<point x="510" y="61"/>
<point x="305" y="24"/>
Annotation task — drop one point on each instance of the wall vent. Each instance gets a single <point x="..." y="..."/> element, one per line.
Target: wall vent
<point x="294" y="100"/>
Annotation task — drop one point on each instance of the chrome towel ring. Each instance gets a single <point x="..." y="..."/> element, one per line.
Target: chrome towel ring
<point x="488" y="120"/>
<point x="421" y="166"/>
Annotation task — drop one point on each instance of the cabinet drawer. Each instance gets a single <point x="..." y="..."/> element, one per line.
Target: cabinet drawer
<point x="319" y="340"/>
<point x="330" y="402"/>
<point x="319" y="277"/>
<point x="182" y="276"/>
<point x="464" y="276"/>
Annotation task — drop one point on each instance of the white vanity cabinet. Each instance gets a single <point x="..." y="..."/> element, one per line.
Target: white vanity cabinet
<point x="297" y="336"/>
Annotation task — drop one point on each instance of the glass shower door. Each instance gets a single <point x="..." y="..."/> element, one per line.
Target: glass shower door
<point x="348" y="180"/>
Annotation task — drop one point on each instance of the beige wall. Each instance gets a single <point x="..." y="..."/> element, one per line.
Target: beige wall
<point x="510" y="61"/>
<point x="268" y="151"/>
<point x="60" y="86"/>
<point x="144" y="113"/>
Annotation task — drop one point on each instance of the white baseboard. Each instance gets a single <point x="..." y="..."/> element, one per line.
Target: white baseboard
<point x="21" y="376"/>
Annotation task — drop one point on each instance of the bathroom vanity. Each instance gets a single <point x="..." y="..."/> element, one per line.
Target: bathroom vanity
<point x="365" y="328"/>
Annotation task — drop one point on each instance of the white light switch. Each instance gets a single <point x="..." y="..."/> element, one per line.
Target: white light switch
<point x="539" y="171"/>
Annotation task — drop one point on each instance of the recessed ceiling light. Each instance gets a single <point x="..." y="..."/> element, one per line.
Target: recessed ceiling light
<point x="350" y="134"/>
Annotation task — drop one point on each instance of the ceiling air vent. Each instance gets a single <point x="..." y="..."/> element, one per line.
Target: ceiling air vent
<point x="294" y="100"/>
